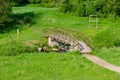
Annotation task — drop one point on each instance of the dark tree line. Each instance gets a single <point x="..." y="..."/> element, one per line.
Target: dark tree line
<point x="44" y="3"/>
<point x="5" y="14"/>
<point x="103" y="8"/>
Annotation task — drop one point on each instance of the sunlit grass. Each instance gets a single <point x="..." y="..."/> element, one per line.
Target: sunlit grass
<point x="67" y="66"/>
<point x="52" y="66"/>
<point x="111" y="55"/>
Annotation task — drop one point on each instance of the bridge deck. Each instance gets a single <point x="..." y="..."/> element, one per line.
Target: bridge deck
<point x="83" y="47"/>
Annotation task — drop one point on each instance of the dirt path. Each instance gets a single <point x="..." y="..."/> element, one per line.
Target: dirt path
<point x="102" y="63"/>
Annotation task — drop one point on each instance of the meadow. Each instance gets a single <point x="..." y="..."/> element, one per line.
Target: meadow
<point x="19" y="59"/>
<point x="42" y="18"/>
<point x="52" y="66"/>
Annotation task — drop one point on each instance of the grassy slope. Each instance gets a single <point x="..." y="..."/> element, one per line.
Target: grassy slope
<point x="109" y="38"/>
<point x="69" y="66"/>
<point x="50" y="17"/>
<point x="45" y="17"/>
<point x="82" y="68"/>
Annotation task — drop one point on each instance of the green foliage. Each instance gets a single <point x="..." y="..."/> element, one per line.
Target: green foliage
<point x="35" y="1"/>
<point x="44" y="3"/>
<point x="102" y="8"/>
<point x="20" y="1"/>
<point x="5" y="14"/>
<point x="49" y="3"/>
<point x="17" y="1"/>
<point x="81" y="10"/>
<point x="27" y="19"/>
<point x="66" y="6"/>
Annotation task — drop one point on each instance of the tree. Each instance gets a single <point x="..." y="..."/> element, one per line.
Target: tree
<point x="103" y="8"/>
<point x="115" y="7"/>
<point x="35" y="1"/>
<point x="5" y="13"/>
<point x="66" y="6"/>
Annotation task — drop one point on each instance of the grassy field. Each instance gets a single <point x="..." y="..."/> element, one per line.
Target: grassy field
<point x="43" y="18"/>
<point x="112" y="55"/>
<point x="31" y="65"/>
<point x="52" y="66"/>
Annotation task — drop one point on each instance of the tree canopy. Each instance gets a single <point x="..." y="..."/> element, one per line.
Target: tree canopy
<point x="44" y="3"/>
<point x="103" y="8"/>
<point x="5" y="13"/>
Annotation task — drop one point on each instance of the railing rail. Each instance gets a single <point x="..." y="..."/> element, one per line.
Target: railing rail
<point x="67" y="32"/>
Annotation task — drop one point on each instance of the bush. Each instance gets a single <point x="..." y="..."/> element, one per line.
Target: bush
<point x="81" y="10"/>
<point x="66" y="7"/>
<point x="44" y="3"/>
<point x="35" y="1"/>
<point x="5" y="14"/>
<point x="117" y="42"/>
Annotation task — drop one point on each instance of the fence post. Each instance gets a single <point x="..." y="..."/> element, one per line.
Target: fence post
<point x="18" y="31"/>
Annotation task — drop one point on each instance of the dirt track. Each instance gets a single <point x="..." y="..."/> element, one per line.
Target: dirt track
<point x="102" y="63"/>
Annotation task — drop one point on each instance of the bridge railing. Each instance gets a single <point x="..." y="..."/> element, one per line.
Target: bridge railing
<point x="73" y="34"/>
<point x="80" y="36"/>
<point x="87" y="40"/>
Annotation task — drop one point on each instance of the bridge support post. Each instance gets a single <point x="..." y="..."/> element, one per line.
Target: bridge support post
<point x="50" y="42"/>
<point x="73" y="48"/>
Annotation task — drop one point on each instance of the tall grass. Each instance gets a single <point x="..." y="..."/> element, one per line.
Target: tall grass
<point x="15" y="47"/>
<point x="69" y="66"/>
<point x="108" y="38"/>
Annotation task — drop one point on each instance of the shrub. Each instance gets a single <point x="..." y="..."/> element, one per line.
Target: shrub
<point x="5" y="14"/>
<point x="66" y="7"/>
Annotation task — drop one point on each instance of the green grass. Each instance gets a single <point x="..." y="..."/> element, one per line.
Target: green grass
<point x="109" y="37"/>
<point x="111" y="55"/>
<point x="44" y="18"/>
<point x="106" y="36"/>
<point x="51" y="17"/>
<point x="69" y="66"/>
<point x="52" y="66"/>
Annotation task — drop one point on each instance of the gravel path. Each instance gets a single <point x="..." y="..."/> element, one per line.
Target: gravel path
<point x="102" y="63"/>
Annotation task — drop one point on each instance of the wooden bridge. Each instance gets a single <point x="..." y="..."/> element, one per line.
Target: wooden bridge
<point x="65" y="40"/>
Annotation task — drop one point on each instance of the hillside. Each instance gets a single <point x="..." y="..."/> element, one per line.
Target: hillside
<point x="18" y="53"/>
<point x="41" y="18"/>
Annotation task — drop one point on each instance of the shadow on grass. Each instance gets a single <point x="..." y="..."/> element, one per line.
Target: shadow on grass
<point x="27" y="19"/>
<point x="19" y="5"/>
